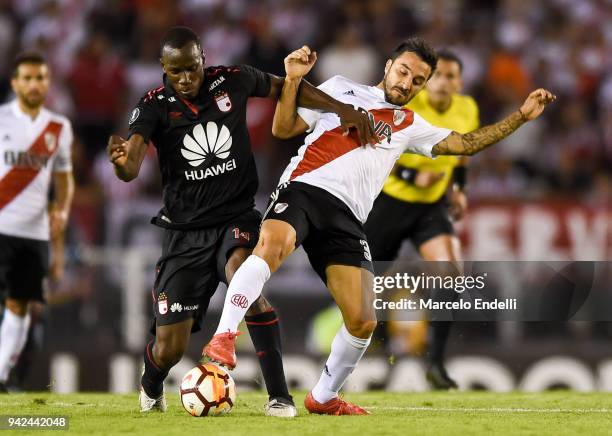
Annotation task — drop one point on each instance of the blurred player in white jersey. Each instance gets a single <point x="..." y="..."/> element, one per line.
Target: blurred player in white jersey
<point x="35" y="146"/>
<point x="327" y="192"/>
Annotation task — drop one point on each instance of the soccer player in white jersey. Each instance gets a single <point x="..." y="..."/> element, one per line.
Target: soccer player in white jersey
<point x="327" y="191"/>
<point x="35" y="146"/>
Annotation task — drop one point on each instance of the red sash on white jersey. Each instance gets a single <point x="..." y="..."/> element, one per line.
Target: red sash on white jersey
<point x="333" y="144"/>
<point x="18" y="178"/>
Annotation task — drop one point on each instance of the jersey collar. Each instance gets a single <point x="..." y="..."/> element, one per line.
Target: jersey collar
<point x="18" y="112"/>
<point x="381" y="95"/>
<point x="190" y="106"/>
<point x="22" y="115"/>
<point x="379" y="92"/>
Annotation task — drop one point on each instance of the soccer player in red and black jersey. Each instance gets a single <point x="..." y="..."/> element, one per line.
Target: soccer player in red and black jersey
<point x="197" y="122"/>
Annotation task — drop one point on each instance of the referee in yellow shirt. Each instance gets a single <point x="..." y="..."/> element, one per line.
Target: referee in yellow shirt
<point x="413" y="204"/>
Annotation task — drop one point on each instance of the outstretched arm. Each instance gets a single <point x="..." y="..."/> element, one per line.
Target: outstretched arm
<point x="295" y="91"/>
<point x="479" y="139"/>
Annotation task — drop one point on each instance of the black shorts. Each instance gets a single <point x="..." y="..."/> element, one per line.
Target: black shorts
<point x="325" y="226"/>
<point x="193" y="263"/>
<point x="391" y="221"/>
<point x="24" y="263"/>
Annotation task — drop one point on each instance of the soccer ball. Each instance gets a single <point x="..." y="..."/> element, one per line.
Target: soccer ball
<point x="208" y="389"/>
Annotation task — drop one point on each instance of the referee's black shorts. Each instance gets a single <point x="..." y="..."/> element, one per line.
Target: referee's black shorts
<point x="392" y="221"/>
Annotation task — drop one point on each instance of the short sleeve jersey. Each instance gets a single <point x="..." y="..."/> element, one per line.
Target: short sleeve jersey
<point x="31" y="150"/>
<point x="205" y="158"/>
<point x="339" y="165"/>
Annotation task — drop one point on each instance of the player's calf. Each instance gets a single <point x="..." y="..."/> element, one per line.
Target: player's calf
<point x="276" y="242"/>
<point x="162" y="354"/>
<point x="168" y="353"/>
<point x="153" y="376"/>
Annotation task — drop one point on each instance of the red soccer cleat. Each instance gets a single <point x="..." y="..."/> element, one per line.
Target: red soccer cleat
<point x="222" y="349"/>
<point x="335" y="406"/>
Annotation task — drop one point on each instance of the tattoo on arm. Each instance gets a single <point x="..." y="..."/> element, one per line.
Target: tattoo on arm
<point x="479" y="139"/>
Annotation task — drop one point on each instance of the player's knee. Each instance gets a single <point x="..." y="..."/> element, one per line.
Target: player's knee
<point x="274" y="247"/>
<point x="360" y="328"/>
<point x="18" y="307"/>
<point x="167" y="353"/>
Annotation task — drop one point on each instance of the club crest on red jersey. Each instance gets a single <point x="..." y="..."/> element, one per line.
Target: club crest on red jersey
<point x="223" y="101"/>
<point x="398" y="117"/>
<point x="50" y="141"/>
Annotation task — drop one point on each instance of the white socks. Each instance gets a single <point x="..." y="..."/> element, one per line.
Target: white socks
<point x="346" y="351"/>
<point x="244" y="289"/>
<point x="13" y="336"/>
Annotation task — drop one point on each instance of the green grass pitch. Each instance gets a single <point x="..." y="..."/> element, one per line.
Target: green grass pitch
<point x="461" y="413"/>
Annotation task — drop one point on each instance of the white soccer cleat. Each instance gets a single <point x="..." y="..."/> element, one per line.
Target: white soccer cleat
<point x="148" y="404"/>
<point x="280" y="409"/>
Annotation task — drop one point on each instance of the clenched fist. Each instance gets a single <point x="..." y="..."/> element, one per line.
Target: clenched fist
<point x="299" y="62"/>
<point x="536" y="102"/>
<point x="117" y="150"/>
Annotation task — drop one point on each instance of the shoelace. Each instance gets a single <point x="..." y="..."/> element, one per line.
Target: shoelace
<point x="275" y="404"/>
<point x="152" y="402"/>
<point x="234" y="335"/>
<point x="230" y="335"/>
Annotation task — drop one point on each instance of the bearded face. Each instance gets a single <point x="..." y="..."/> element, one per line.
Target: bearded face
<point x="404" y="78"/>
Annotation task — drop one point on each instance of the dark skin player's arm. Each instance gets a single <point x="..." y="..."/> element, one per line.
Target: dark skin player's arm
<point x="310" y="97"/>
<point x="126" y="156"/>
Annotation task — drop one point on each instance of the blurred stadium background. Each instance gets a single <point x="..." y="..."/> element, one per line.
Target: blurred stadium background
<point x="544" y="194"/>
